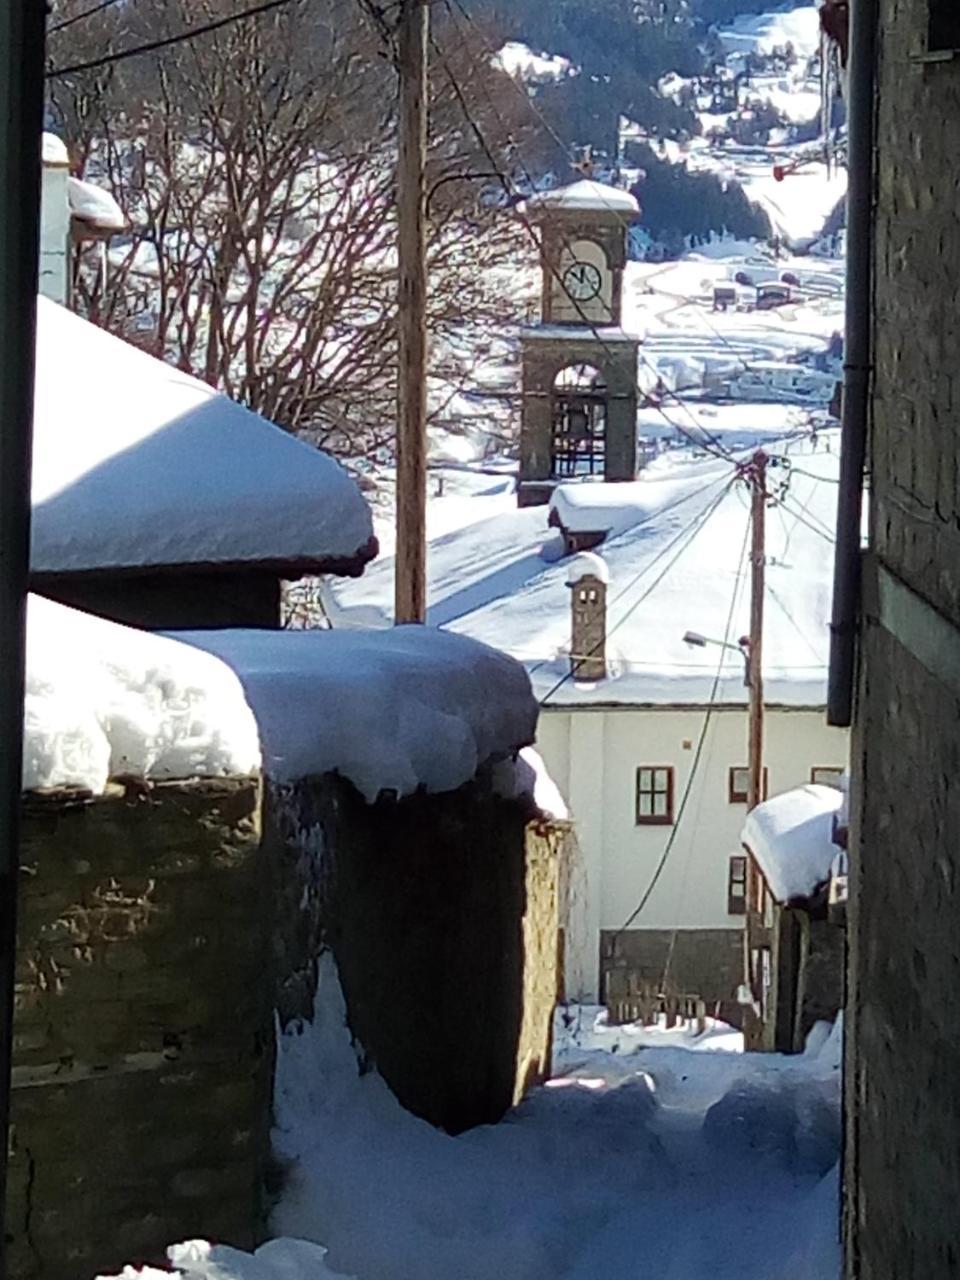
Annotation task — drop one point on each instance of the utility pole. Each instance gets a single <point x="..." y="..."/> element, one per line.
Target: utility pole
<point x="758" y="514"/>
<point x="410" y="592"/>
<point x="21" y="121"/>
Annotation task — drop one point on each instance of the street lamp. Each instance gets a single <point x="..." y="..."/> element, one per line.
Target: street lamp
<point x="697" y="641"/>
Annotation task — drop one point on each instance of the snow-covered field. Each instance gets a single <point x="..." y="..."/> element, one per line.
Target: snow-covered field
<point x="652" y="1154"/>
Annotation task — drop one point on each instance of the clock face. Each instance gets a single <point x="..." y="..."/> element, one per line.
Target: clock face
<point x="582" y="281"/>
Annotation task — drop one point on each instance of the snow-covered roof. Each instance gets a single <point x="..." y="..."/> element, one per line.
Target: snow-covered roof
<point x="676" y="560"/>
<point x="601" y="508"/>
<point x="391" y="710"/>
<point x="522" y="62"/>
<point x="94" y="207"/>
<point x="139" y="465"/>
<point x="585" y="196"/>
<point x="791" y="837"/>
<point x="102" y="700"/>
<point x="54" y="151"/>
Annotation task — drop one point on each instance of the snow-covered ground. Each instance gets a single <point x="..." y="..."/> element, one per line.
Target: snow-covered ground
<point x="676" y="535"/>
<point x="658" y="1154"/>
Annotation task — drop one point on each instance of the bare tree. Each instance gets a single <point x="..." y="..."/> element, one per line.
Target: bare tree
<point x="255" y="164"/>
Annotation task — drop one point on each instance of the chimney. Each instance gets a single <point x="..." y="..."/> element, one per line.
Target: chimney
<point x="587" y="578"/>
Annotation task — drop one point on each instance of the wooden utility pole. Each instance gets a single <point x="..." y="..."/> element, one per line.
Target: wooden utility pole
<point x="21" y="119"/>
<point x="411" y="554"/>
<point x="758" y="514"/>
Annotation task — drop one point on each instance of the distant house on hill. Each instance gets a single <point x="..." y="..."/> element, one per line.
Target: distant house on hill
<point x="161" y="503"/>
<point x="645" y="736"/>
<point x="794" y="947"/>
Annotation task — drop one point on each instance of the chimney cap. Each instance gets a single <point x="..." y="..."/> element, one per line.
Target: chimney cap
<point x="587" y="565"/>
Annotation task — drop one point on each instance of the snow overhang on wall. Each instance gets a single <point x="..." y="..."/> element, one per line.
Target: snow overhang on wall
<point x="392" y="711"/>
<point x="791" y="838"/>
<point x="103" y="700"/>
<point x="137" y="465"/>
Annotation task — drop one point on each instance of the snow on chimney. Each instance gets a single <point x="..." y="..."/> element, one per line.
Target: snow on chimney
<point x="587" y="578"/>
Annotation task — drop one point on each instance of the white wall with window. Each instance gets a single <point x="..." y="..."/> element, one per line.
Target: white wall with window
<point x="626" y="775"/>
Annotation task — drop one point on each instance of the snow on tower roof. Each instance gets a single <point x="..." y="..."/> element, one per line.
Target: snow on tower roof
<point x="138" y="465"/>
<point x="676" y="556"/>
<point x="390" y="710"/>
<point x="102" y="700"/>
<point x="791" y="837"/>
<point x="585" y="196"/>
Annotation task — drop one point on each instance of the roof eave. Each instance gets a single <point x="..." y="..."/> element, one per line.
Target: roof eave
<point x="342" y="566"/>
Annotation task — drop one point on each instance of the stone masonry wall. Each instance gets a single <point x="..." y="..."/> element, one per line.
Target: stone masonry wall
<point x="143" y="1038"/>
<point x="902" y="1161"/>
<point x="442" y="914"/>
<point x="707" y="963"/>
<point x="914" y="455"/>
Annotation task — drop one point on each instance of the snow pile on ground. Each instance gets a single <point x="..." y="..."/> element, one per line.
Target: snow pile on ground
<point x="103" y="700"/>
<point x="392" y="710"/>
<point x="602" y="1173"/>
<point x="275" y="1260"/>
<point x="791" y="837"/>
<point x="663" y="1163"/>
<point x="583" y="1029"/>
<point x="136" y="463"/>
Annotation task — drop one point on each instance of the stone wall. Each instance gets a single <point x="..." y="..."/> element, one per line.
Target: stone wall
<point x="143" y="1037"/>
<point x="442" y="914"/>
<point x="705" y="963"/>
<point x="902" y="1158"/>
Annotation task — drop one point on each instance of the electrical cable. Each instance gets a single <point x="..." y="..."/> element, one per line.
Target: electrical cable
<point x="711" y="443"/>
<point x="672" y="838"/>
<point x="686" y="537"/>
<point x="166" y="42"/>
<point x="79" y="17"/>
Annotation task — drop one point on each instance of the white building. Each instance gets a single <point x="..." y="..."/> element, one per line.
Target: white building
<point x="651" y="759"/>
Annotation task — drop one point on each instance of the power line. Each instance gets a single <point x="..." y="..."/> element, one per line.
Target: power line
<point x="79" y="17"/>
<point x="672" y="838"/>
<point x="181" y="37"/>
<point x="684" y="537"/>
<point x="566" y="147"/>
<point x="711" y="442"/>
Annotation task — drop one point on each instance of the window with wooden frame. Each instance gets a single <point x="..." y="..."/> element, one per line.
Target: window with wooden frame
<point x="738" y="784"/>
<point x="654" y="802"/>
<point x="827" y="775"/>
<point x="737" y="886"/>
<point x="944" y="26"/>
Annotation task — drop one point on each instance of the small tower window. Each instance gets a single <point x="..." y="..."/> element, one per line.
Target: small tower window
<point x="655" y="795"/>
<point x="944" y="32"/>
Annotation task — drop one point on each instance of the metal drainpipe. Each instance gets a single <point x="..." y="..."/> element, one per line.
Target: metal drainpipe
<point x="21" y="121"/>
<point x="861" y="82"/>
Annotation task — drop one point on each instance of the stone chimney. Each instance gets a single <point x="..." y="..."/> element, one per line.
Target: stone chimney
<point x="587" y="578"/>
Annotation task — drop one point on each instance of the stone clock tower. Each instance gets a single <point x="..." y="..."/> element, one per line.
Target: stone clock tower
<point x="579" y="417"/>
